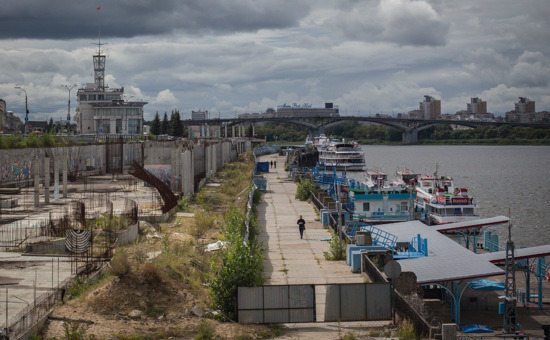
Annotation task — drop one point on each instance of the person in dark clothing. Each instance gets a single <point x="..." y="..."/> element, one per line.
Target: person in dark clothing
<point x="302" y="226"/>
<point x="271" y="164"/>
<point x="275" y="164"/>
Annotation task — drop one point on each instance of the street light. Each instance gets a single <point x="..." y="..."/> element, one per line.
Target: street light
<point x="26" y="108"/>
<point x="69" y="87"/>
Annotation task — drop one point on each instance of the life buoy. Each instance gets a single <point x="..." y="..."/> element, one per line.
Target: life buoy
<point x="548" y="275"/>
<point x="533" y="267"/>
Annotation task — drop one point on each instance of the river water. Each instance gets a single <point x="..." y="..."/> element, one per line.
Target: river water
<point x="503" y="180"/>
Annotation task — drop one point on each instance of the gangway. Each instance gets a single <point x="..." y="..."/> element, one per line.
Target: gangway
<point x="379" y="237"/>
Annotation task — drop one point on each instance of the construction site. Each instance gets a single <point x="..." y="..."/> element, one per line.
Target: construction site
<point x="54" y="204"/>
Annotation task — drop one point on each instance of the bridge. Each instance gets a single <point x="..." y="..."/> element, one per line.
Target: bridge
<point x="409" y="127"/>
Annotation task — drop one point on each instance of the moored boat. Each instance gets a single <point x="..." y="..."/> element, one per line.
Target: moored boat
<point x="441" y="202"/>
<point x="342" y="156"/>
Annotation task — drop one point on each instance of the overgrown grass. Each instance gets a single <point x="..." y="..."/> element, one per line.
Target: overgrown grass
<point x="405" y="331"/>
<point x="120" y="263"/>
<point x="204" y="222"/>
<point x="206" y="332"/>
<point x="81" y="286"/>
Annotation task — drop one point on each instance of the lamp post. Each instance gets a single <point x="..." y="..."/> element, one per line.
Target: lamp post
<point x="69" y="88"/>
<point x="26" y="108"/>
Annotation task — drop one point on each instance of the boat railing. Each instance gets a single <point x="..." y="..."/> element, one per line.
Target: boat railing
<point x="382" y="216"/>
<point x="453" y="214"/>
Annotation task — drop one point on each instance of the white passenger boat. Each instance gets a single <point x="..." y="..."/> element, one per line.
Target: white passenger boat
<point x="442" y="202"/>
<point x="341" y="156"/>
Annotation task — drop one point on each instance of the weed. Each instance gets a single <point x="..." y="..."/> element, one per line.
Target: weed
<point x="75" y="330"/>
<point x="140" y="256"/>
<point x="203" y="223"/>
<point x="206" y="332"/>
<point x="336" y="250"/>
<point x="154" y="311"/>
<point x="374" y="333"/>
<point x="120" y="264"/>
<point x="349" y="336"/>
<point x="405" y="331"/>
<point x="183" y="204"/>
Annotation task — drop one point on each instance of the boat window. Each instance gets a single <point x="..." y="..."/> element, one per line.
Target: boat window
<point x="468" y="211"/>
<point x="458" y="211"/>
<point x="404" y="206"/>
<point x="366" y="206"/>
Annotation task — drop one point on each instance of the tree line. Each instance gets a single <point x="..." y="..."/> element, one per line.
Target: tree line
<point x="376" y="134"/>
<point x="172" y="127"/>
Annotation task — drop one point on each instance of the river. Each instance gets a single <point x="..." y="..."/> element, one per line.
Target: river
<point x="503" y="180"/>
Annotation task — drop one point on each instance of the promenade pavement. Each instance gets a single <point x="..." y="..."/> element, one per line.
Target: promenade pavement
<point x="291" y="260"/>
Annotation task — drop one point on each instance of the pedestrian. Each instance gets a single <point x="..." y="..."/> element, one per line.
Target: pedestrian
<point x="272" y="164"/>
<point x="301" y="226"/>
<point x="275" y="164"/>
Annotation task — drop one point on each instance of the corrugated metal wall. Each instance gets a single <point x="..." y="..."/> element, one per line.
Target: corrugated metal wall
<point x="297" y="303"/>
<point x="276" y="304"/>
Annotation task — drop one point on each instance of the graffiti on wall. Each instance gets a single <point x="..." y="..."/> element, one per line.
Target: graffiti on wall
<point x="162" y="172"/>
<point x="17" y="171"/>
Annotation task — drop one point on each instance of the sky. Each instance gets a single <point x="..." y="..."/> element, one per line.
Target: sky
<point x="245" y="56"/>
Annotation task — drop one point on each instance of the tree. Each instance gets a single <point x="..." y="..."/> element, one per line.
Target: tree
<point x="49" y="128"/>
<point x="155" y="125"/>
<point x="175" y="128"/>
<point x="164" y="125"/>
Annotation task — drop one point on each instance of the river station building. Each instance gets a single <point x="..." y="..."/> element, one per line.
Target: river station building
<point x="104" y="110"/>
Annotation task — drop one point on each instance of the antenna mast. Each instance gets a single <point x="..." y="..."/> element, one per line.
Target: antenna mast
<point x="510" y="302"/>
<point x="99" y="59"/>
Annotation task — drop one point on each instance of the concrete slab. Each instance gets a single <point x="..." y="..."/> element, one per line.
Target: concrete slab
<point x="300" y="260"/>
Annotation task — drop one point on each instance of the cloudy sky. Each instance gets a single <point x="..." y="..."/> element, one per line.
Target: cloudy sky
<point x="231" y="57"/>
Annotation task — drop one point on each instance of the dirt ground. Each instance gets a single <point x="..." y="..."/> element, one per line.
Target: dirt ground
<point x="164" y="307"/>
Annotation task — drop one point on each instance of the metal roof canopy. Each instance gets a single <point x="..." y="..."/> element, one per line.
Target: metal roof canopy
<point x="472" y="224"/>
<point x="519" y="254"/>
<point x="449" y="261"/>
<point x="446" y="260"/>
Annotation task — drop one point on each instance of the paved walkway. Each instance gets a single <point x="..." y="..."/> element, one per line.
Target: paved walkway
<point x="291" y="260"/>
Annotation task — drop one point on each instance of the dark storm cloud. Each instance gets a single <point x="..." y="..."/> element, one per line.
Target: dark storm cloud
<point x="69" y="19"/>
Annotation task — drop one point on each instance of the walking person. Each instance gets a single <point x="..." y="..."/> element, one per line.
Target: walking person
<point x="275" y="164"/>
<point x="302" y="226"/>
<point x="271" y="164"/>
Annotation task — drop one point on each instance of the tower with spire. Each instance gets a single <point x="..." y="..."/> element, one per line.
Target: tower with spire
<point x="102" y="110"/>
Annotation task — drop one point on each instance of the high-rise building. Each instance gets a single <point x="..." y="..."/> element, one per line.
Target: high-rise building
<point x="104" y="110"/>
<point x="430" y="108"/>
<point x="8" y="121"/>
<point x="524" y="105"/>
<point x="476" y="106"/>
<point x="524" y="111"/>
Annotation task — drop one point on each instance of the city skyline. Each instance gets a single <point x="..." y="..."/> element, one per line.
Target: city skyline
<point x="379" y="56"/>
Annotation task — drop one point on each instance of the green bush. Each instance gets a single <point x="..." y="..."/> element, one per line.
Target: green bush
<point x="241" y="264"/>
<point x="183" y="204"/>
<point x="335" y="252"/>
<point x="304" y="187"/>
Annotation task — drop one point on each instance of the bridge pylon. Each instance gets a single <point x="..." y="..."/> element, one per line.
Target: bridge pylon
<point x="410" y="136"/>
<point x="316" y="131"/>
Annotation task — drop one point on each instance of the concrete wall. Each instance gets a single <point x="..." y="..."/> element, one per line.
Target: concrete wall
<point x="190" y="161"/>
<point x="16" y="165"/>
<point x="127" y="236"/>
